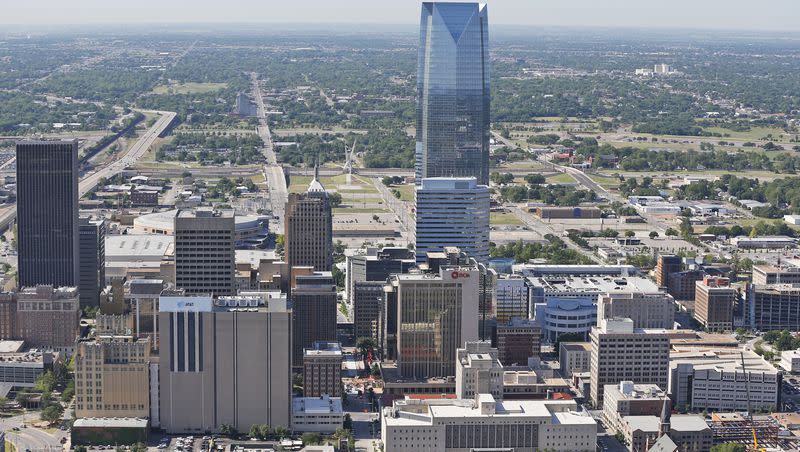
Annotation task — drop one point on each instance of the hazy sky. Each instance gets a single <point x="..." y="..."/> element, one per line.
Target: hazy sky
<point x="717" y="14"/>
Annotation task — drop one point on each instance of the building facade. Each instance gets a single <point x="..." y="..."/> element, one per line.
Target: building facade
<point x="314" y="309"/>
<point x="452" y="212"/>
<point x="224" y="362"/>
<point x="92" y="264"/>
<point x="47" y="213"/>
<point x="714" y="300"/>
<point x="478" y="371"/>
<point x="773" y="307"/>
<point x="646" y="309"/>
<point x="322" y="370"/>
<point x="368" y="305"/>
<point x="666" y="265"/>
<point x="622" y="353"/>
<point x="574" y="357"/>
<point x="453" y="92"/>
<point x="518" y="340"/>
<point x="48" y="318"/>
<point x="112" y="377"/>
<point x="308" y="229"/>
<point x="205" y="259"/>
<point x="512" y="298"/>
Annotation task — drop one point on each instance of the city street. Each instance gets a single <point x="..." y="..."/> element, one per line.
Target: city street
<point x="31" y="438"/>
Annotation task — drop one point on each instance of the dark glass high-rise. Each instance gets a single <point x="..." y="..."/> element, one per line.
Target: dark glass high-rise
<point x="453" y="92"/>
<point x="47" y="212"/>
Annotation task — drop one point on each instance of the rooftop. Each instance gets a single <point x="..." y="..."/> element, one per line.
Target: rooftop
<point x="688" y="423"/>
<point x="11" y="346"/>
<point x="317" y="405"/>
<point x="111" y="422"/>
<point x="593" y="284"/>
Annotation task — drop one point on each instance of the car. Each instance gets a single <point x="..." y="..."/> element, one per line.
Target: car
<point x="162" y="446"/>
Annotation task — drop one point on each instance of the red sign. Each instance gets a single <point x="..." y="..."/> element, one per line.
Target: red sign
<point x="457" y="274"/>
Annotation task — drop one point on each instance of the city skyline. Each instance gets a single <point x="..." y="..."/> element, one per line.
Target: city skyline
<point x="715" y="14"/>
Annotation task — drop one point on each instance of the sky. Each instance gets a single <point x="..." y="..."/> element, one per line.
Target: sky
<point x="771" y="15"/>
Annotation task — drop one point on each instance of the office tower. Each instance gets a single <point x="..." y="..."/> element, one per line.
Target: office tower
<point x="453" y="92"/>
<point x="478" y="371"/>
<point x="682" y="284"/>
<point x="373" y="264"/>
<point x="650" y="309"/>
<point x="322" y="370"/>
<point x="512" y="299"/>
<point x="666" y="265"/>
<point x="368" y="305"/>
<point x="92" y="262"/>
<point x="574" y="357"/>
<point x="518" y="340"/>
<point x="47" y="212"/>
<point x="204" y="253"/>
<point x="621" y="352"/>
<point x="770" y="274"/>
<point x="713" y="303"/>
<point x="224" y="362"/>
<point x="452" y="213"/>
<point x="314" y="308"/>
<point x="47" y="317"/>
<point x="435" y="314"/>
<point x="144" y="295"/>
<point x="773" y="307"/>
<point x="485" y="424"/>
<point x="308" y="229"/>
<point x="8" y="316"/>
<point x="112" y="377"/>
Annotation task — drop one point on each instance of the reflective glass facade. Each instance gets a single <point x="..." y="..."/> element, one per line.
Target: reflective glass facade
<point x="453" y="92"/>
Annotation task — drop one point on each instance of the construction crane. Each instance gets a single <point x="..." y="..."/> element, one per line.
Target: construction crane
<point x="749" y="414"/>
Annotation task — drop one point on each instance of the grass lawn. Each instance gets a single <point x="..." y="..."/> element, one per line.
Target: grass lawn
<point x="560" y="178"/>
<point x="10" y="447"/>
<point x="504" y="218"/>
<point x="754" y="134"/>
<point x="406" y="192"/>
<point x="189" y="88"/>
<point x="348" y="210"/>
<point x="605" y="181"/>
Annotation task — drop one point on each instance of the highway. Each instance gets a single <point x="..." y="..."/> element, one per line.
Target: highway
<point x="89" y="181"/>
<point x="273" y="171"/>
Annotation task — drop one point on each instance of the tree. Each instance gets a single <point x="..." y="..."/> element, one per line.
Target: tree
<point x="138" y="447"/>
<point x="671" y="232"/>
<point x="347" y="422"/>
<point x="311" y="438"/>
<point x="46" y="381"/>
<point x="281" y="432"/>
<point x="80" y="449"/>
<point x="653" y="234"/>
<point x="335" y="199"/>
<point x="52" y="413"/>
<point x="630" y="234"/>
<point x="254" y="432"/>
<point x="365" y="345"/>
<point x="264" y="431"/>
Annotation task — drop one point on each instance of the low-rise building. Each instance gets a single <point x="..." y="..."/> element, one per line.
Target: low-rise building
<point x="709" y="379"/>
<point x="485" y="424"/>
<point x="536" y="382"/>
<point x="629" y="399"/>
<point x="317" y="414"/>
<point x="478" y="371"/>
<point x="48" y="317"/>
<point x="790" y="361"/>
<point x="574" y="357"/>
<point x="20" y="368"/>
<point x="764" y="242"/>
<point x="322" y="370"/>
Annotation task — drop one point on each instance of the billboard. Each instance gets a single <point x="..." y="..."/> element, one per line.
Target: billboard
<point x="185" y="304"/>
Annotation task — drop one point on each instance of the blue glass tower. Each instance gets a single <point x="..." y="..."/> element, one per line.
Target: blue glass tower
<point x="453" y="92"/>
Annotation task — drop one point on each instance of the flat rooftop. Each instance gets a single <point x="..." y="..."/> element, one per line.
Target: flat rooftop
<point x="593" y="284"/>
<point x="138" y="247"/>
<point x="111" y="422"/>
<point x="11" y="346"/>
<point x="317" y="405"/>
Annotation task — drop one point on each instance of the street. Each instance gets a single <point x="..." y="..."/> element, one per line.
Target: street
<point x="31" y="438"/>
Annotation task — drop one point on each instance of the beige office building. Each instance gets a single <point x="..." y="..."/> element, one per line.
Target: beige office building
<point x="322" y="370"/>
<point x="48" y="317"/>
<point x="308" y="229"/>
<point x="205" y="257"/>
<point x="478" y="371"/>
<point x="621" y="352"/>
<point x="112" y="377"/>
<point x="647" y="309"/>
<point x="224" y="361"/>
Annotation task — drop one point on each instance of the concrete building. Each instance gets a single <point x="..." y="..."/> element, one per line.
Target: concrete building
<point x="308" y="229"/>
<point x="137" y="256"/>
<point x="143" y="296"/>
<point x="92" y="263"/>
<point x="442" y="425"/>
<point x="322" y="370"/>
<point x="773" y="307"/>
<point x="368" y="306"/>
<point x="512" y="299"/>
<point x="764" y="242"/>
<point x="683" y="284"/>
<point x="684" y="433"/>
<point x="629" y="399"/>
<point x="666" y="265"/>
<point x="314" y="309"/>
<point x="452" y="212"/>
<point x="550" y="212"/>
<point x="20" y="368"/>
<point x="478" y="371"/>
<point x="568" y="303"/>
<point x="322" y="414"/>
<point x="435" y="314"/>
<point x="771" y="274"/>
<point x="621" y="352"/>
<point x="48" y="317"/>
<point x="205" y="258"/>
<point x="536" y="381"/>
<point x="574" y="357"/>
<point x="374" y="265"/>
<point x="790" y="361"/>
<point x="714" y="380"/>
<point x="593" y="270"/>
<point x="646" y="309"/>
<point x="8" y="316"/>
<point x="47" y="213"/>
<point x="714" y="300"/>
<point x="112" y="377"/>
<point x="518" y="340"/>
<point x="224" y="362"/>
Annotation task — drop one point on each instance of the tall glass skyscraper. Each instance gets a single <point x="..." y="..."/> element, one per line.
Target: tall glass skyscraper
<point x="453" y="92"/>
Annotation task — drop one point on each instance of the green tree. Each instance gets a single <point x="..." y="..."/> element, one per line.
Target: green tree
<point x="653" y="234"/>
<point x="265" y="432"/>
<point x="311" y="438"/>
<point x="335" y="199"/>
<point x="630" y="234"/>
<point x="138" y="447"/>
<point x="254" y="432"/>
<point x="671" y="232"/>
<point x="281" y="432"/>
<point x="52" y="413"/>
<point x="46" y="381"/>
<point x="80" y="449"/>
<point x="729" y="447"/>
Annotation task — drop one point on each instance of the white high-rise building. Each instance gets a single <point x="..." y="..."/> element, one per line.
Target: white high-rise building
<point x="452" y="212"/>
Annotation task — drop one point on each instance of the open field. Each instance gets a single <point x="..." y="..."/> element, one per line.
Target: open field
<point x="506" y="218"/>
<point x="560" y="178"/>
<point x="755" y="134"/>
<point x="189" y="88"/>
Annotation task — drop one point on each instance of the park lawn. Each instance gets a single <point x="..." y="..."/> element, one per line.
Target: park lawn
<point x="560" y="178"/>
<point x="189" y="88"/>
<point x="406" y="192"/>
<point x="349" y="210"/>
<point x="506" y="218"/>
